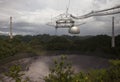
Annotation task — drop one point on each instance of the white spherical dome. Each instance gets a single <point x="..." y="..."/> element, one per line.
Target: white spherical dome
<point x="74" y="30"/>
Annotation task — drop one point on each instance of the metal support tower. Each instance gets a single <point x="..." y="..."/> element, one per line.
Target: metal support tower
<point x="113" y="34"/>
<point x="11" y="35"/>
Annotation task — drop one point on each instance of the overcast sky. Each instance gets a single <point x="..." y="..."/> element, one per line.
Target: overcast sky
<point x="31" y="16"/>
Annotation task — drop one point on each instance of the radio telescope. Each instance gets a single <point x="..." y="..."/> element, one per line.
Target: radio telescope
<point x="66" y="20"/>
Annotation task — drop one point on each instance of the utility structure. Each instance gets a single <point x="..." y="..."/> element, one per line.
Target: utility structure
<point x="109" y="11"/>
<point x="113" y="33"/>
<point x="67" y="20"/>
<point x="11" y="34"/>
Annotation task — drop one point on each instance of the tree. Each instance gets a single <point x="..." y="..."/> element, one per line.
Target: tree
<point x="15" y="74"/>
<point x="61" y="72"/>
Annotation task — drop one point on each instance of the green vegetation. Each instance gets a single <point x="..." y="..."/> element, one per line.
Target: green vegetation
<point x="39" y="44"/>
<point x="15" y="74"/>
<point x="62" y="72"/>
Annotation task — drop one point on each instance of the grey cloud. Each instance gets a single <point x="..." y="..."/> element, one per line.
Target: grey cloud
<point x="23" y="4"/>
<point x="32" y="25"/>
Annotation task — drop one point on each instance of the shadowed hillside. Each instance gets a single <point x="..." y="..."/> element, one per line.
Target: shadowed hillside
<point x="41" y="44"/>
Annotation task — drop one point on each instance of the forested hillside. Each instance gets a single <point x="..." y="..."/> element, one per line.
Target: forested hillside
<point x="39" y="43"/>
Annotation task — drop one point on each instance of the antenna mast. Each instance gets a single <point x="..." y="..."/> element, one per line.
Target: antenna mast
<point x="11" y="35"/>
<point x="113" y="34"/>
<point x="68" y="7"/>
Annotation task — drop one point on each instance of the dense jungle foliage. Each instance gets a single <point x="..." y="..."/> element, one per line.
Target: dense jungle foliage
<point x="39" y="43"/>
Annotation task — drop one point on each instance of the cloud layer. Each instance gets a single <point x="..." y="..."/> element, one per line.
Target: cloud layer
<point x="31" y="16"/>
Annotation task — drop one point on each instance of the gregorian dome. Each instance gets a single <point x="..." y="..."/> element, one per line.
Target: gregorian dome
<point x="74" y="30"/>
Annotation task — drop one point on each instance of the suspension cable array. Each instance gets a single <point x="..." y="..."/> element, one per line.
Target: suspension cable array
<point x="110" y="11"/>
